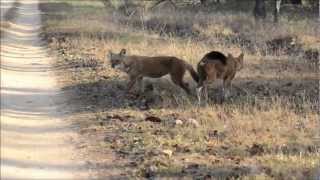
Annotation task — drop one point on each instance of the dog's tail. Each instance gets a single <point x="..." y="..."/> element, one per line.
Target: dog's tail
<point x="192" y="72"/>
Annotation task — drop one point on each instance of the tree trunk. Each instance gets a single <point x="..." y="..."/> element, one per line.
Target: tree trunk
<point x="260" y="9"/>
<point x="277" y="5"/>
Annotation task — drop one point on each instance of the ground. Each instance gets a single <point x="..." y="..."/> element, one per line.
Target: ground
<point x="267" y="129"/>
<point x="36" y="141"/>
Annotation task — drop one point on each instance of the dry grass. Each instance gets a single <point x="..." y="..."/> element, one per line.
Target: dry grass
<point x="267" y="129"/>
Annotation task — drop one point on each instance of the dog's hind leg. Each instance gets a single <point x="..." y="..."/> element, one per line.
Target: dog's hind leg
<point x="133" y="80"/>
<point x="199" y="91"/>
<point x="226" y="88"/>
<point x="184" y="86"/>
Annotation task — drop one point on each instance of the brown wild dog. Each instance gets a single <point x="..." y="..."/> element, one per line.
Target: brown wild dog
<point x="138" y="67"/>
<point x="215" y="65"/>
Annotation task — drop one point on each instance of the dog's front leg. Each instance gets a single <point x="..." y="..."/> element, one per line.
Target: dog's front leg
<point x="226" y="88"/>
<point x="131" y="83"/>
<point x="206" y="95"/>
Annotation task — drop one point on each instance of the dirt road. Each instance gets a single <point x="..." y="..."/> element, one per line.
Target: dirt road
<point x="36" y="142"/>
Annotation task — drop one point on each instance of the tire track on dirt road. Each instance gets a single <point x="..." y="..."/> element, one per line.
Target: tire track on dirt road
<point x="36" y="142"/>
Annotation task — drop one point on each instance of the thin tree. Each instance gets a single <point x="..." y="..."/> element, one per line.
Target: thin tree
<point x="277" y="5"/>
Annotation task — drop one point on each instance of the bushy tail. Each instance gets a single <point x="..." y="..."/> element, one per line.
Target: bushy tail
<point x="193" y="73"/>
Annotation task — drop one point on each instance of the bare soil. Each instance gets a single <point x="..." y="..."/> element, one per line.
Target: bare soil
<point x="36" y="140"/>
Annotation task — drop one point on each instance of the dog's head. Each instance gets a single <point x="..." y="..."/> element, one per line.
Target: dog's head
<point x="116" y="60"/>
<point x="238" y="60"/>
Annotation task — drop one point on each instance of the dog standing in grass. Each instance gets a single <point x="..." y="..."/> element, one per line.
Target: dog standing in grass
<point x="215" y="65"/>
<point x="138" y="67"/>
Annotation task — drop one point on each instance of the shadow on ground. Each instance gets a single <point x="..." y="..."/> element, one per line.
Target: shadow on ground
<point x="108" y="94"/>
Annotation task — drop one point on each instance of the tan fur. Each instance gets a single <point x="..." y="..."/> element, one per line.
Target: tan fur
<point x="138" y="67"/>
<point x="211" y="69"/>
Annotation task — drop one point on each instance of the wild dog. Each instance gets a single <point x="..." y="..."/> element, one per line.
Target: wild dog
<point x="138" y="67"/>
<point x="215" y="65"/>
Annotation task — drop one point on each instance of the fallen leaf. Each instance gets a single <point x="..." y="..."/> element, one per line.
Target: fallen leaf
<point x="153" y="119"/>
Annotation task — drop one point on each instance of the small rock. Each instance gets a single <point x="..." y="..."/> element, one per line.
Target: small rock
<point x="167" y="152"/>
<point x="194" y="122"/>
<point x="178" y="122"/>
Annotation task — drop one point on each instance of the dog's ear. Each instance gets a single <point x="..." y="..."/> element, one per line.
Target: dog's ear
<point x="123" y="52"/>
<point x="240" y="61"/>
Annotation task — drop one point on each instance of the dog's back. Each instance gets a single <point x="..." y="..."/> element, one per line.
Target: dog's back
<point x="212" y="62"/>
<point x="215" y="56"/>
<point x="154" y="66"/>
